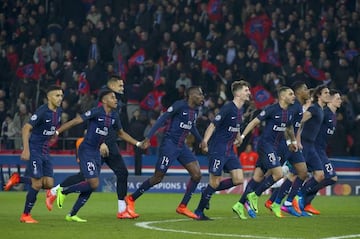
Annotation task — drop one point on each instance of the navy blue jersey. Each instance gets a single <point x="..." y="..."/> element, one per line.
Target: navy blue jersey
<point x="227" y="126"/>
<point x="327" y="128"/>
<point x="312" y="126"/>
<point x="179" y="119"/>
<point x="277" y="120"/>
<point x="298" y="111"/>
<point x="111" y="139"/>
<point x="99" y="125"/>
<point x="44" y="122"/>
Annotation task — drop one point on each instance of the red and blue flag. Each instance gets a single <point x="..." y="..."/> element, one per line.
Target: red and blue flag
<point x="214" y="10"/>
<point x="137" y="58"/>
<point x="314" y="72"/>
<point x="261" y="97"/>
<point x="258" y="29"/>
<point x="83" y="84"/>
<point x="31" y="71"/>
<point x="209" y="67"/>
<point x="270" y="57"/>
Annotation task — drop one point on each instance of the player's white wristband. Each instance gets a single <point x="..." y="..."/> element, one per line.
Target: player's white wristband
<point x="57" y="132"/>
<point x="138" y="144"/>
<point x="288" y="142"/>
<point x="242" y="136"/>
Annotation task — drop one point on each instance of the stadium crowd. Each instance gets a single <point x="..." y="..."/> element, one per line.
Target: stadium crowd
<point x="162" y="47"/>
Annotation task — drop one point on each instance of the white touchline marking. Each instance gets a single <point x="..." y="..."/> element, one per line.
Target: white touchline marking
<point x="147" y="225"/>
<point x="343" y="237"/>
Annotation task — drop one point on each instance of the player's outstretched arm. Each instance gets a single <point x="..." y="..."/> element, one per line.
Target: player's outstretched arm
<point x="248" y="129"/>
<point x="77" y="120"/>
<point x="125" y="136"/>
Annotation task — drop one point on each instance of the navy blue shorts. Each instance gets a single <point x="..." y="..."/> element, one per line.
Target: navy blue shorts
<point x="90" y="162"/>
<point x="169" y="152"/>
<point x="269" y="156"/>
<point x="220" y="163"/>
<point x="39" y="165"/>
<point x="329" y="170"/>
<point x="312" y="159"/>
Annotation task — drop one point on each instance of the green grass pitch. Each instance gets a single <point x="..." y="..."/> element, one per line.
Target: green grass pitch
<point x="340" y="218"/>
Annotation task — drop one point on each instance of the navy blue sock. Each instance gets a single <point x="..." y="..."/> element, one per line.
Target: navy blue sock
<point x="252" y="185"/>
<point x="205" y="198"/>
<point x="265" y="184"/>
<point x="283" y="191"/>
<point x="325" y="182"/>
<point x="143" y="188"/>
<point x="225" y="184"/>
<point x="80" y="187"/>
<point x="308" y="186"/>
<point x="274" y="193"/>
<point x="73" y="179"/>
<point x="25" y="180"/>
<point x="311" y="195"/>
<point x="190" y="188"/>
<point x="30" y="200"/>
<point x="296" y="186"/>
<point x="82" y="199"/>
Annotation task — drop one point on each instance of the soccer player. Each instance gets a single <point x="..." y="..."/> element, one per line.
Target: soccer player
<point x="36" y="135"/>
<point x="327" y="129"/>
<point x="180" y="119"/>
<point x="309" y="128"/>
<point x="278" y="124"/>
<point x="292" y="183"/>
<point x="50" y="193"/>
<point x="100" y="120"/>
<point x="222" y="133"/>
<point x="114" y="160"/>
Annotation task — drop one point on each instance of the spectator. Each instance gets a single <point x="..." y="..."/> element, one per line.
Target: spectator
<point x="248" y="159"/>
<point x="52" y="76"/>
<point x="180" y="33"/>
<point x="183" y="80"/>
<point x="94" y="50"/>
<point x="42" y="53"/>
<point x="8" y="131"/>
<point x="2" y="111"/>
<point x="93" y="15"/>
<point x="121" y="51"/>
<point x="21" y="117"/>
<point x="56" y="47"/>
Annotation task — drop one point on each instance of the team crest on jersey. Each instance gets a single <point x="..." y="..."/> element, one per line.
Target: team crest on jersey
<point x="33" y="117"/>
<point x="170" y="109"/>
<point x="88" y="113"/>
<point x="262" y="113"/>
<point x="218" y="117"/>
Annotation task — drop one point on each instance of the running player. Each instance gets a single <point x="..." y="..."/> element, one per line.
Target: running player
<point x="180" y="119"/>
<point x="327" y="129"/>
<point x="36" y="135"/>
<point x="298" y="172"/>
<point x="100" y="120"/>
<point x="222" y="133"/>
<point x="309" y="129"/>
